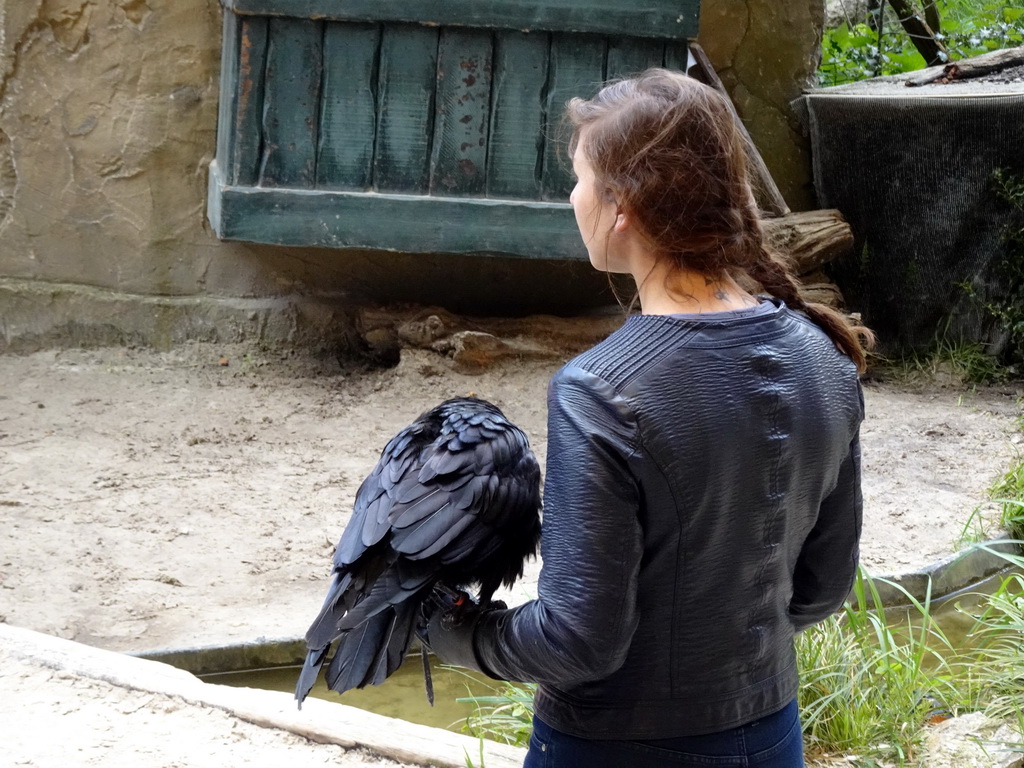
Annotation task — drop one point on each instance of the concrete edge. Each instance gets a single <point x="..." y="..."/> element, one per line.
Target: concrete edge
<point x="37" y="315"/>
<point x="260" y="653"/>
<point x="320" y="721"/>
<point x="950" y="575"/>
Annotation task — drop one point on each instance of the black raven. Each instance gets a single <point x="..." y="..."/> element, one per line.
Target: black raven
<point x="454" y="500"/>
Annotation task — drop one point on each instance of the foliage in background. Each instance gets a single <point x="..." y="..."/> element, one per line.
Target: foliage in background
<point x="1009" y="270"/>
<point x="855" y="50"/>
<point x="1006" y="307"/>
<point x="954" y="362"/>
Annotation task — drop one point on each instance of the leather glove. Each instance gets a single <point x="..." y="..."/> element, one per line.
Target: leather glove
<point x="451" y="618"/>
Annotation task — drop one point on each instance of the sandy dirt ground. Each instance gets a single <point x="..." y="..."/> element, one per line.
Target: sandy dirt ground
<point x="166" y="500"/>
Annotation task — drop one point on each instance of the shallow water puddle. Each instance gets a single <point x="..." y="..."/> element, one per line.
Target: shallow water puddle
<point x="402" y="695"/>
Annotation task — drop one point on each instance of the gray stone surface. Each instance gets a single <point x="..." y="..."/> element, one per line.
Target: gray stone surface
<point x="112" y="690"/>
<point x="973" y="741"/>
<point x="950" y="575"/>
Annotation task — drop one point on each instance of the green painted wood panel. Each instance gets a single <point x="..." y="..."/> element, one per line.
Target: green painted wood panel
<point x="641" y="18"/>
<point x="227" y="106"/>
<point x="516" y="144"/>
<point x="348" y="109"/>
<point x="630" y="56"/>
<point x="407" y="75"/>
<point x="677" y="56"/>
<point x="345" y="125"/>
<point x="291" y="103"/>
<point x="576" y="68"/>
<point x="458" y="163"/>
<point x="355" y="220"/>
<point x="243" y="99"/>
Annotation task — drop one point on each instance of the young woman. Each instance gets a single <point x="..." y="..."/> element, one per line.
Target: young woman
<point x="702" y="498"/>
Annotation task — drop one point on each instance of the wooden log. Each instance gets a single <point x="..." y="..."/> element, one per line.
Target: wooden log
<point x="978" y="66"/>
<point x="822" y="293"/>
<point x="808" y="239"/>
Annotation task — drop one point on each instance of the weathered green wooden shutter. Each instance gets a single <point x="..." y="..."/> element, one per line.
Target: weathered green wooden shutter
<point x="417" y="125"/>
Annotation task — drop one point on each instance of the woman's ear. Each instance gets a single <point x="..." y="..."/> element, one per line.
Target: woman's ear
<point x="622" y="221"/>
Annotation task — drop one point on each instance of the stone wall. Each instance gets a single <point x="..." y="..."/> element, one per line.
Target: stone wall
<point x="766" y="53"/>
<point x="108" y="115"/>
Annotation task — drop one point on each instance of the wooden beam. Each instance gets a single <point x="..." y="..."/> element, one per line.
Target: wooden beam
<point x="674" y="19"/>
<point x="406" y="78"/>
<point x="458" y="160"/>
<point x="765" y="188"/>
<point x="348" y="107"/>
<point x="575" y="68"/>
<point x="291" y="103"/>
<point x="516" y="137"/>
<point x="241" y="135"/>
<point x="404" y="223"/>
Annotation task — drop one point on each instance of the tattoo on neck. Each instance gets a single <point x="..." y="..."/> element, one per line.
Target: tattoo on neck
<point x="723" y="296"/>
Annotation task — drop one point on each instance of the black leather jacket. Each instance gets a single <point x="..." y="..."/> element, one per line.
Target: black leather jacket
<point x="702" y="504"/>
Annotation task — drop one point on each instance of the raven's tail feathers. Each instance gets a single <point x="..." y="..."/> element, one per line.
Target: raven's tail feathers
<point x="371" y="652"/>
<point x="310" y="672"/>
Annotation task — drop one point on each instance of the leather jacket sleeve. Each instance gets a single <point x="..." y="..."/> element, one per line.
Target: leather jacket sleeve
<point x="580" y="626"/>
<point x="827" y="564"/>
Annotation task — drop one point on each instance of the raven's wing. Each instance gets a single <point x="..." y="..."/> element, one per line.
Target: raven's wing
<point x="363" y="555"/>
<point x="451" y="491"/>
<point x="491" y="482"/>
<point x="381" y="490"/>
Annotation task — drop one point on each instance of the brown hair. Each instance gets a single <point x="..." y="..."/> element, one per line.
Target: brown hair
<point x="667" y="148"/>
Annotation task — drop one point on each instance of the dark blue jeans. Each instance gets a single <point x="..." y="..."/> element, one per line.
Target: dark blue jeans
<point x="774" y="741"/>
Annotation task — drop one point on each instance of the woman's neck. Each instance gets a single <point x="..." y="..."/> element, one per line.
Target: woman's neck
<point x="667" y="291"/>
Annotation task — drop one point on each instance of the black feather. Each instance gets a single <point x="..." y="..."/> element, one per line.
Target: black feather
<point x="455" y="499"/>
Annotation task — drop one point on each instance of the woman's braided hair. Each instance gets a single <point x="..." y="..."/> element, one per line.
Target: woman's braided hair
<point x="667" y="148"/>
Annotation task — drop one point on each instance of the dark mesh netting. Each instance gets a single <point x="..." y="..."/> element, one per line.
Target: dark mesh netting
<point x="913" y="174"/>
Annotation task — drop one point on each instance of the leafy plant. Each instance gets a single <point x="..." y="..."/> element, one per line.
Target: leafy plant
<point x="507" y="716"/>
<point x="958" y="361"/>
<point x="469" y="760"/>
<point x="1001" y="673"/>
<point x="1009" y="270"/>
<point x="878" y="45"/>
<point x="869" y="685"/>
<point x="978" y="527"/>
<point x="1008" y="492"/>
